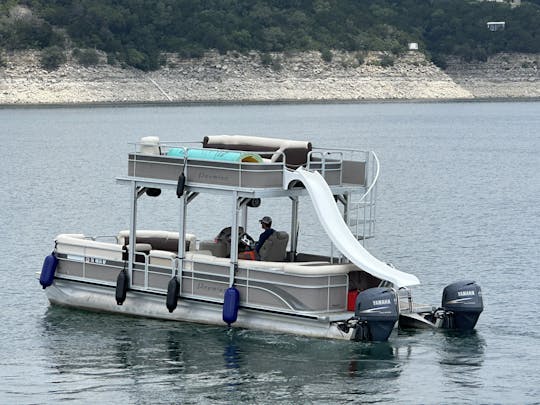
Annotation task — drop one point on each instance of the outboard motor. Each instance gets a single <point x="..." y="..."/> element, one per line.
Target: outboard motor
<point x="462" y="302"/>
<point x="377" y="312"/>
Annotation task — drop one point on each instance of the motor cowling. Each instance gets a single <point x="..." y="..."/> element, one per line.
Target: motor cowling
<point x="463" y="304"/>
<point x="377" y="312"/>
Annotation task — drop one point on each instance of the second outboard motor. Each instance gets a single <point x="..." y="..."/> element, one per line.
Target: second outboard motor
<point x="377" y="312"/>
<point x="462" y="302"/>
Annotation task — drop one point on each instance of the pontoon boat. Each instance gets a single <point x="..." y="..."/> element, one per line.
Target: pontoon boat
<point x="173" y="275"/>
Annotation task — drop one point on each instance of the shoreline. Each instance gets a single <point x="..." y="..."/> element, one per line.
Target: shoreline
<point x="215" y="103"/>
<point x="242" y="79"/>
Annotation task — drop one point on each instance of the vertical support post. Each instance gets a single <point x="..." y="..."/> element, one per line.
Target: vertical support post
<point x="373" y="195"/>
<point x="345" y="200"/>
<point x="182" y="234"/>
<point x="294" y="227"/>
<point x="234" y="239"/>
<point x="243" y="216"/>
<point x="346" y="206"/>
<point x="132" y="230"/>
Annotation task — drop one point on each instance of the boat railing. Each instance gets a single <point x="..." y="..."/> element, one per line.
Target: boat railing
<point x="268" y="285"/>
<point x="165" y="147"/>
<point x="265" y="288"/>
<point x="208" y="167"/>
<point x="359" y="203"/>
<point x="326" y="161"/>
<point x="405" y="302"/>
<point x="104" y="238"/>
<point x="360" y="214"/>
<point x="255" y="169"/>
<point x="86" y="247"/>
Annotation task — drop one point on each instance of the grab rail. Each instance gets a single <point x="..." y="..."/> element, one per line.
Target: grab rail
<point x="375" y="176"/>
<point x="324" y="157"/>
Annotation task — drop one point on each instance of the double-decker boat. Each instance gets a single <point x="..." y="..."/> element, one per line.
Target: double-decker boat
<point x="347" y="294"/>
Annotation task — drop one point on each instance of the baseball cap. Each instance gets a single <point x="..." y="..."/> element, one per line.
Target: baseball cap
<point x="266" y="220"/>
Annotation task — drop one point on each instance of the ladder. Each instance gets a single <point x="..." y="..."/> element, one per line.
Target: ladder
<point x="359" y="213"/>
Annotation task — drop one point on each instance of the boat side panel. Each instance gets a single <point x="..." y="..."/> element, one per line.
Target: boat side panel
<point x="258" y="288"/>
<point x="250" y="175"/>
<point x="100" y="272"/>
<point x="354" y="172"/>
<point x="158" y="278"/>
<point x="330" y="170"/>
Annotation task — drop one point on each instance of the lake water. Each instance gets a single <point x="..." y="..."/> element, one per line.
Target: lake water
<point x="458" y="199"/>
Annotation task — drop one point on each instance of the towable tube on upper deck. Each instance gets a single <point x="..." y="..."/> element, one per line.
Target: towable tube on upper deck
<point x="338" y="231"/>
<point x="217" y="155"/>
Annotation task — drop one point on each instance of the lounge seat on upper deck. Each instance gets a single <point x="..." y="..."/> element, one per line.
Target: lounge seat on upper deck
<point x="295" y="152"/>
<point x="274" y="248"/>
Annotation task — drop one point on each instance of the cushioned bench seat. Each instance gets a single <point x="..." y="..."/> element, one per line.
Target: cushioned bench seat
<point x="159" y="240"/>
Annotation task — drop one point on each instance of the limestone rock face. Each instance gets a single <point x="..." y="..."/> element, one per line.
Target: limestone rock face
<point x="501" y="76"/>
<point x="289" y="77"/>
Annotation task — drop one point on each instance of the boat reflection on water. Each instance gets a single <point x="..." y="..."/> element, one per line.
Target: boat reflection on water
<point x="231" y="356"/>
<point x="377" y="357"/>
<point x="132" y="351"/>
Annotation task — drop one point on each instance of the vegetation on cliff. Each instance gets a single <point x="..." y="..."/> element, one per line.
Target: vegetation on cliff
<point x="137" y="32"/>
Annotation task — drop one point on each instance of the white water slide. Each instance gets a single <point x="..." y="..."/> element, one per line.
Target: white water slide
<point x="340" y="234"/>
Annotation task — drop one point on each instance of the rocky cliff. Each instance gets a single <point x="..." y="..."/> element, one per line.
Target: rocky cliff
<point x="501" y="76"/>
<point x="285" y="77"/>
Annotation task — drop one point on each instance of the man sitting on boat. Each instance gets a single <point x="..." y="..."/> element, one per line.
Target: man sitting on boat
<point x="266" y="224"/>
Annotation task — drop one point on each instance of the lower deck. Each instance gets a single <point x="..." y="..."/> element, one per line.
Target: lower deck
<point x="309" y="288"/>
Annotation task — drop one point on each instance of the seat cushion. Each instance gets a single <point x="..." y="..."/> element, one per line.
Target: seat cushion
<point x="274" y="248"/>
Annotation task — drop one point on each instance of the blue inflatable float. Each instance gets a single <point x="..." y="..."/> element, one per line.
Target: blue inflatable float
<point x="231" y="302"/>
<point x="46" y="277"/>
<point x="216" y="155"/>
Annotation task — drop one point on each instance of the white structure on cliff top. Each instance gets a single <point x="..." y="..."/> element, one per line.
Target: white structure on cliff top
<point x="513" y="3"/>
<point x="496" y="25"/>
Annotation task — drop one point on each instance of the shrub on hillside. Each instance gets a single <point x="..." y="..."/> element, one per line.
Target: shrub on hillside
<point x="326" y="55"/>
<point x="52" y="57"/>
<point x="276" y="65"/>
<point x="439" y="60"/>
<point x="386" y="61"/>
<point x="266" y="59"/>
<point x="86" y="57"/>
<point x="360" y="58"/>
<point x="273" y="63"/>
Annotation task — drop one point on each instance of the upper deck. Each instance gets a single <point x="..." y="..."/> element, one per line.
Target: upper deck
<point x="250" y="165"/>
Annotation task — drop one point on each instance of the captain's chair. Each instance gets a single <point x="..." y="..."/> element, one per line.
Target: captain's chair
<point x="274" y="249"/>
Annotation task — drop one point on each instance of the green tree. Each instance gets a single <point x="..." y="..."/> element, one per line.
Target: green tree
<point x="138" y="31"/>
<point x="326" y="55"/>
<point x="86" y="57"/>
<point x="52" y="57"/>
